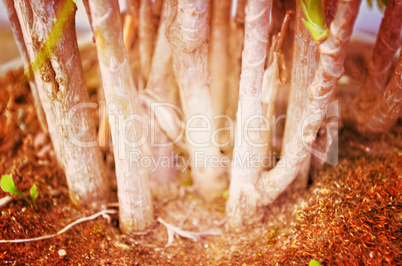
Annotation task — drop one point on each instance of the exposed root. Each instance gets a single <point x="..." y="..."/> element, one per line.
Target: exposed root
<point x="4" y="201"/>
<point x="173" y="230"/>
<point x="65" y="229"/>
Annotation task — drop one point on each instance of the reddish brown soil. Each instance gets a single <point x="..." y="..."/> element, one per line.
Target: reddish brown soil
<point x="351" y="213"/>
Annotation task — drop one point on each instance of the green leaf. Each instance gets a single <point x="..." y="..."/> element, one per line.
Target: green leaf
<point x="7" y="185"/>
<point x="34" y="194"/>
<point x="318" y="34"/>
<point x="316" y="12"/>
<point x="314" y="263"/>
<point x="315" y="19"/>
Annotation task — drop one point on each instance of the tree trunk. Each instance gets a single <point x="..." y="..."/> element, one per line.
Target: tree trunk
<point x="146" y="39"/>
<point x="243" y="196"/>
<point x="244" y="204"/>
<point x="387" y="108"/>
<point x="135" y="205"/>
<point x="218" y="61"/>
<point x="19" y="39"/>
<point x="235" y="51"/>
<point x="49" y="33"/>
<point x="275" y="76"/>
<point x="187" y="32"/>
<point x="130" y="23"/>
<point x="305" y="61"/>
<point x="157" y="7"/>
<point x="161" y="89"/>
<point x="388" y="42"/>
<point x="161" y="78"/>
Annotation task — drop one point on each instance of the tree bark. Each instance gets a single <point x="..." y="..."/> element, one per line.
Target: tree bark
<point x="131" y="23"/>
<point x="386" y="109"/>
<point x="244" y="204"/>
<point x="19" y="39"/>
<point x="305" y="61"/>
<point x="161" y="89"/>
<point x="49" y="33"/>
<point x="161" y="78"/>
<point x="135" y="205"/>
<point x="378" y="70"/>
<point x="187" y="32"/>
<point x="243" y="195"/>
<point x="218" y="61"/>
<point x="235" y="51"/>
<point x="146" y="39"/>
<point x="275" y="76"/>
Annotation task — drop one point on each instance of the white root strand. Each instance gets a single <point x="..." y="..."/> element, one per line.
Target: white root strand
<point x="173" y="230"/>
<point x="4" y="201"/>
<point x="65" y="229"/>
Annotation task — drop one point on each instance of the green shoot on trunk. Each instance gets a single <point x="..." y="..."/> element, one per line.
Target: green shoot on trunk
<point x="315" y="19"/>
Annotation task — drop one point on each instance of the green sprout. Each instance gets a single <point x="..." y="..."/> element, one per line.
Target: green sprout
<point x="314" y="263"/>
<point x="7" y="185"/>
<point x="315" y="19"/>
<point x="34" y="194"/>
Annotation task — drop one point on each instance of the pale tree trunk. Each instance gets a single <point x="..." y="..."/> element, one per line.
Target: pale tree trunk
<point x="19" y="39"/>
<point x="218" y="61"/>
<point x="161" y="79"/>
<point x="147" y="34"/>
<point x="244" y="204"/>
<point x="187" y="32"/>
<point x="275" y="76"/>
<point x="249" y="144"/>
<point x="161" y="91"/>
<point x="162" y="88"/>
<point x="235" y="51"/>
<point x="61" y="82"/>
<point x="386" y="109"/>
<point x="305" y="61"/>
<point x="135" y="205"/>
<point x="388" y="42"/>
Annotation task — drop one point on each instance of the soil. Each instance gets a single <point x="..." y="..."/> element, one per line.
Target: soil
<point x="350" y="214"/>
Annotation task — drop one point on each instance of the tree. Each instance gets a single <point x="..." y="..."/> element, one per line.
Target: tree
<point x="377" y="76"/>
<point x="254" y="188"/>
<point x="51" y="44"/>
<point x="136" y="211"/>
<point x="218" y="59"/>
<point x="179" y="63"/>
<point x="305" y="61"/>
<point x="187" y="32"/>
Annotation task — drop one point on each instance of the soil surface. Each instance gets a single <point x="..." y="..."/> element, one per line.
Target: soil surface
<point x="350" y="214"/>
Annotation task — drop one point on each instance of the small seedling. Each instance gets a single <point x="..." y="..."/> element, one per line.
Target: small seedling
<point x="7" y="185"/>
<point x="314" y="263"/>
<point x="34" y="194"/>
